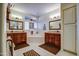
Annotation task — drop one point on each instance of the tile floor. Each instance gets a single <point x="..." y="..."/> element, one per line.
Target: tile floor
<point x="34" y="44"/>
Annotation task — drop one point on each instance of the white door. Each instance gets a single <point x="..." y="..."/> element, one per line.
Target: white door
<point x="69" y="37"/>
<point x="69" y="17"/>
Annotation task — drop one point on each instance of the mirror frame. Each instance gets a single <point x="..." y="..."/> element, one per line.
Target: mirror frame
<point x="52" y="25"/>
<point x="17" y="26"/>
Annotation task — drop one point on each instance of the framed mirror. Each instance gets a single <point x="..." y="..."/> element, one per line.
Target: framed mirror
<point x="55" y="25"/>
<point x="20" y="25"/>
<point x="15" y="25"/>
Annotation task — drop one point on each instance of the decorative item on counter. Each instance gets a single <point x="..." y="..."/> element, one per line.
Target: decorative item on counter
<point x="54" y="18"/>
<point x="31" y="32"/>
<point x="57" y="31"/>
<point x="11" y="30"/>
<point x="58" y="17"/>
<point x="17" y="18"/>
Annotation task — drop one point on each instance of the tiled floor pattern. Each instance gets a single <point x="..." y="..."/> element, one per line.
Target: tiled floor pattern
<point x="34" y="44"/>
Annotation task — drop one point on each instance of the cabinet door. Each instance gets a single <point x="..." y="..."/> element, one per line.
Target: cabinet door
<point x="69" y="15"/>
<point x="17" y="39"/>
<point x="57" y="40"/>
<point x="14" y="38"/>
<point x="46" y="38"/>
<point x="52" y="39"/>
<point x="23" y="37"/>
<point x="69" y="37"/>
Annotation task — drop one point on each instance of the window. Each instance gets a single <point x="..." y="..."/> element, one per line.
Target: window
<point x="30" y="25"/>
<point x="35" y="25"/>
<point x="26" y="25"/>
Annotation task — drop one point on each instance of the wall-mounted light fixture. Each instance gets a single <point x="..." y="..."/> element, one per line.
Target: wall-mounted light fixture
<point x="54" y="17"/>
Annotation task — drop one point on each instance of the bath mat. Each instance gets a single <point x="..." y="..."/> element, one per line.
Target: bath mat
<point x="20" y="46"/>
<point x="50" y="48"/>
<point x="31" y="53"/>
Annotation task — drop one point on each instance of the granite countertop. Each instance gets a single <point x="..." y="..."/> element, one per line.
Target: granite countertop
<point x="53" y="32"/>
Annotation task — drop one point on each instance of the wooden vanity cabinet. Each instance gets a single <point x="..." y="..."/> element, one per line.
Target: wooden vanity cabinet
<point x="18" y="38"/>
<point x="53" y="39"/>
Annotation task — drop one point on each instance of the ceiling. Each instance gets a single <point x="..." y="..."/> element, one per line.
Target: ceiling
<point x="36" y="9"/>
